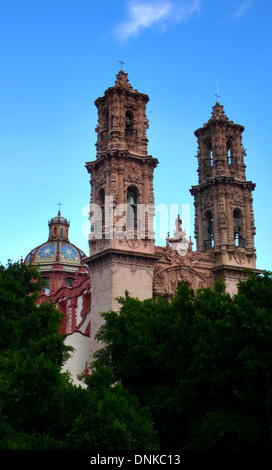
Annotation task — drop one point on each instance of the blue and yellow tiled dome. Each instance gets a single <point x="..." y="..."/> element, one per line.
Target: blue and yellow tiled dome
<point x="58" y="248"/>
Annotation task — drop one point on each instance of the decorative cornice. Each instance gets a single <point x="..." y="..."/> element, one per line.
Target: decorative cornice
<point x="125" y="256"/>
<point x="219" y="180"/>
<point x="120" y="155"/>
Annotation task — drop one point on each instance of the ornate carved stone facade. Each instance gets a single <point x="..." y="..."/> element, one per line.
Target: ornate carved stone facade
<point x="123" y="255"/>
<point x="122" y="175"/>
<point x="194" y="268"/>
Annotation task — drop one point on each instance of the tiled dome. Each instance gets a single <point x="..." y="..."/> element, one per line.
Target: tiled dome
<point x="58" y="248"/>
<point x="56" y="251"/>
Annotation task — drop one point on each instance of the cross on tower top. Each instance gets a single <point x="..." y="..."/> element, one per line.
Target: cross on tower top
<point x="122" y="63"/>
<point x="217" y="94"/>
<point x="59" y="204"/>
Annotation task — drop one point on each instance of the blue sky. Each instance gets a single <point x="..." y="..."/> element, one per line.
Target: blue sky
<point x="58" y="56"/>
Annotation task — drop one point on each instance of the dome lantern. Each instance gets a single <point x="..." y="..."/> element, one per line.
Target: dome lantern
<point x="58" y="228"/>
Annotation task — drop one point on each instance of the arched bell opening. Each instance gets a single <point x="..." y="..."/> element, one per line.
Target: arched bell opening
<point x="129" y="123"/>
<point x="208" y="230"/>
<point x="211" y="155"/>
<point x="230" y="158"/>
<point x="132" y="200"/>
<point x="99" y="215"/>
<point x="238" y="228"/>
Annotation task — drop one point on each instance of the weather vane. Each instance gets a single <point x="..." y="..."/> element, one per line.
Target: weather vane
<point x="122" y="63"/>
<point x="217" y="95"/>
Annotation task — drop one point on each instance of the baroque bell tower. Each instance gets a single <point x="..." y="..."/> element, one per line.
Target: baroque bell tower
<point x="224" y="221"/>
<point x="121" y="241"/>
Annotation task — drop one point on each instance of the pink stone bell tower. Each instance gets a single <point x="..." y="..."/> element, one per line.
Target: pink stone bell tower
<point x="122" y="249"/>
<point x="224" y="221"/>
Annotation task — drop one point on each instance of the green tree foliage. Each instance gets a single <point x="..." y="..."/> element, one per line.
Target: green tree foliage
<point x="39" y="406"/>
<point x="110" y="418"/>
<point x="202" y="363"/>
<point x="31" y="354"/>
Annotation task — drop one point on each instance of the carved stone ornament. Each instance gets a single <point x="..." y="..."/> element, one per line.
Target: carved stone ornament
<point x="237" y="199"/>
<point x="239" y="255"/>
<point x="166" y="279"/>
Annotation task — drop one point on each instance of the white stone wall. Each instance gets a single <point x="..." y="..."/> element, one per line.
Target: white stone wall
<point x="76" y="363"/>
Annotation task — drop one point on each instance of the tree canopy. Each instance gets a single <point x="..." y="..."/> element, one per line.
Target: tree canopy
<point x="40" y="408"/>
<point x="202" y="363"/>
<point x="191" y="374"/>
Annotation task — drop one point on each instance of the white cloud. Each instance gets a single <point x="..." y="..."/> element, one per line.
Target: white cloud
<point x="143" y="14"/>
<point x="183" y="10"/>
<point x="246" y="4"/>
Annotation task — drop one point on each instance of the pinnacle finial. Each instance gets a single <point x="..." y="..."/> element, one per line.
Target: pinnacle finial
<point x="218" y="113"/>
<point x="122" y="78"/>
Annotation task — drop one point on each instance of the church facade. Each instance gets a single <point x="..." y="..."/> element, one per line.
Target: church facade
<point x="122" y="251"/>
<point x="123" y="174"/>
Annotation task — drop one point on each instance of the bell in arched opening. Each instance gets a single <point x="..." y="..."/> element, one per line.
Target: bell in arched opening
<point x="131" y="208"/>
<point x="208" y="230"/>
<point x="239" y="239"/>
<point x="129" y="122"/>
